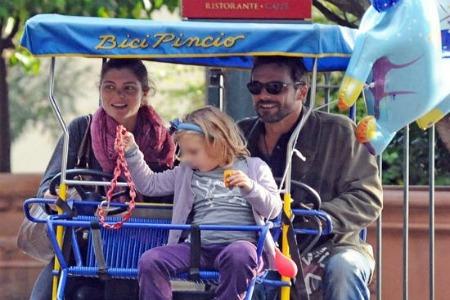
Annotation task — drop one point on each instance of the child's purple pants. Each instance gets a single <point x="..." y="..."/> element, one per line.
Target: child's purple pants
<point x="236" y="263"/>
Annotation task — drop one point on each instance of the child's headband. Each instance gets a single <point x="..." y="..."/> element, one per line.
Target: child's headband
<point x="177" y="124"/>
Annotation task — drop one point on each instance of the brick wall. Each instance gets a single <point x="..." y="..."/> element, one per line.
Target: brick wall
<point x="18" y="271"/>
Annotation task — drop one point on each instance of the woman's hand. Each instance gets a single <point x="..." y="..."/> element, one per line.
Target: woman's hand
<point x="239" y="179"/>
<point x="49" y="195"/>
<point x="129" y="142"/>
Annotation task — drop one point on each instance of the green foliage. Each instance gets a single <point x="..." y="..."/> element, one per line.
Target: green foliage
<point x="180" y="89"/>
<point x="24" y="9"/>
<point x="28" y="63"/>
<point x="28" y="93"/>
<point x="29" y="106"/>
<point x="12" y="12"/>
<point x="393" y="159"/>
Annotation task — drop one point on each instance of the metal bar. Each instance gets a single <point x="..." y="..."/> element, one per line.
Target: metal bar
<point x="93" y="183"/>
<point x="431" y="170"/>
<point x="327" y="87"/>
<point x="331" y="86"/>
<point x="406" y="215"/>
<point x="260" y="244"/>
<point x="221" y="91"/>
<point x="62" y="284"/>
<point x="286" y="180"/>
<point x="62" y="187"/>
<point x="84" y="203"/>
<point x="163" y="226"/>
<point x="61" y="121"/>
<point x="250" y="289"/>
<point x="379" y="255"/>
<point x="215" y="88"/>
<point x="57" y="248"/>
<point x="352" y="112"/>
<point x="75" y="247"/>
<point x="104" y="60"/>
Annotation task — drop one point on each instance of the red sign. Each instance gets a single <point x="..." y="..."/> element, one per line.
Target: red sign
<point x="246" y="9"/>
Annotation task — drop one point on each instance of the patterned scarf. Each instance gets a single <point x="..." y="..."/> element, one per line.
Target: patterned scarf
<point x="150" y="134"/>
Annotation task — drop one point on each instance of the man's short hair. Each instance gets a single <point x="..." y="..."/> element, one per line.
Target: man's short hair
<point x="294" y="64"/>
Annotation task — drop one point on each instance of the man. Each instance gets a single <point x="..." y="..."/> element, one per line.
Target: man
<point x="340" y="169"/>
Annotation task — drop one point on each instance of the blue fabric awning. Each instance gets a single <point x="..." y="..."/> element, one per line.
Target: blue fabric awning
<point x="221" y="44"/>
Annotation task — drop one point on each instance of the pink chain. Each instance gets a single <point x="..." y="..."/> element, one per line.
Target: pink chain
<point x="121" y="165"/>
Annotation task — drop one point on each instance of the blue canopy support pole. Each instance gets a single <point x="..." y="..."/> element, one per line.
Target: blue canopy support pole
<point x="431" y="170"/>
<point x="99" y="94"/>
<point x="379" y="252"/>
<point x="62" y="192"/>
<point x="406" y="214"/>
<point x="60" y="119"/>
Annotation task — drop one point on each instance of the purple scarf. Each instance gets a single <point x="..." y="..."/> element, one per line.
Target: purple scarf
<point x="150" y="134"/>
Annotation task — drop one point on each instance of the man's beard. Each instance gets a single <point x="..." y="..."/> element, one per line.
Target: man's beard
<point x="268" y="116"/>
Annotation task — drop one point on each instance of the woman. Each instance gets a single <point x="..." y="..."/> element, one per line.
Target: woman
<point x="124" y="90"/>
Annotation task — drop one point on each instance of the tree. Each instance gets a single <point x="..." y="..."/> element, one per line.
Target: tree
<point x="342" y="12"/>
<point x="29" y="106"/>
<point x="13" y="14"/>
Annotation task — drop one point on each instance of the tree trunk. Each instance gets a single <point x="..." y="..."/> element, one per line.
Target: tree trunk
<point x="5" y="139"/>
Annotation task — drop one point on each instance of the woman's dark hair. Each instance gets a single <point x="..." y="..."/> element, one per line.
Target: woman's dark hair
<point x="294" y="64"/>
<point x="134" y="65"/>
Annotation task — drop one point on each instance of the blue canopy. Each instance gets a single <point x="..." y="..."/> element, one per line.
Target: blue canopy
<point x="221" y="44"/>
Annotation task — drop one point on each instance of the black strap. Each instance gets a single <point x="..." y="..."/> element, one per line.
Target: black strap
<point x="298" y="290"/>
<point x="194" y="270"/>
<point x="67" y="210"/>
<point x="98" y="250"/>
<point x="84" y="150"/>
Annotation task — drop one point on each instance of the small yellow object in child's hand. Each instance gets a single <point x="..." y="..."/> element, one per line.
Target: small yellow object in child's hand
<point x="226" y="176"/>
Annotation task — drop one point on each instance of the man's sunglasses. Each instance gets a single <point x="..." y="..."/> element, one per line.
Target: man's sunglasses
<point x="272" y="87"/>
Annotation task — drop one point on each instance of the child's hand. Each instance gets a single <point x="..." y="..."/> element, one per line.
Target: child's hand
<point x="239" y="179"/>
<point x="128" y="141"/>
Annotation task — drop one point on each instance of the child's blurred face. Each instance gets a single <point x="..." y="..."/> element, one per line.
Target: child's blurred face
<point x="194" y="153"/>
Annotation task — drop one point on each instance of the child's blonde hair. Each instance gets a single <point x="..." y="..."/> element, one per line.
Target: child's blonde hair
<point x="223" y="138"/>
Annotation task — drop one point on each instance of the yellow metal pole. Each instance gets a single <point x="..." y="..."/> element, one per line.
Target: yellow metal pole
<point x="286" y="290"/>
<point x="59" y="238"/>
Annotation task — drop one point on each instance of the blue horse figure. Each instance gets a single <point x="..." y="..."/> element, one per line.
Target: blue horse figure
<point x="398" y="50"/>
<point x="444" y="107"/>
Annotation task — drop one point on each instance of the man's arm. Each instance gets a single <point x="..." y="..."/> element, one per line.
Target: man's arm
<point x="359" y="201"/>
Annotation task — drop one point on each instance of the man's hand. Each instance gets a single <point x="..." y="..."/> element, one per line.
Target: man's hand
<point x="239" y="179"/>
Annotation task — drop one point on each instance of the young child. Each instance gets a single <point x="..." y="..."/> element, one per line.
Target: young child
<point x="210" y="143"/>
